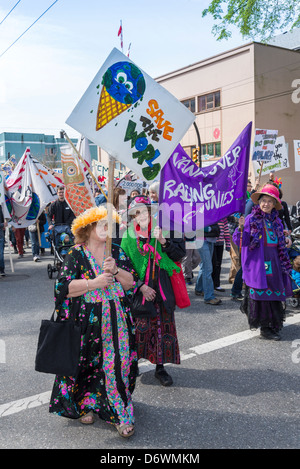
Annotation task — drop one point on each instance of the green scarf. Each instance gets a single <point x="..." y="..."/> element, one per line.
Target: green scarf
<point x="140" y="263"/>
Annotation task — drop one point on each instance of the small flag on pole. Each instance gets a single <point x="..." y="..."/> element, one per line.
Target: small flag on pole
<point x="120" y="33"/>
<point x="128" y="51"/>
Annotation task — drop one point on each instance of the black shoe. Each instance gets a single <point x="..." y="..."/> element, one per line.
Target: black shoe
<point x="199" y="293"/>
<point x="164" y="378"/>
<point x="2" y="274"/>
<point x="237" y="297"/>
<point x="220" y="289"/>
<point x="268" y="334"/>
<point x="213" y="301"/>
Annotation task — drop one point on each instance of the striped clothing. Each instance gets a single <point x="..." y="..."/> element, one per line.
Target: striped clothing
<point x="224" y="233"/>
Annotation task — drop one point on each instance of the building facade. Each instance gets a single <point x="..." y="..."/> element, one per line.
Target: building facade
<point x="227" y="91"/>
<point x="45" y="148"/>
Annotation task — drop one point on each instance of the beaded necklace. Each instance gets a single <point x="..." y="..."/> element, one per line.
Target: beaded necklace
<point x="137" y="229"/>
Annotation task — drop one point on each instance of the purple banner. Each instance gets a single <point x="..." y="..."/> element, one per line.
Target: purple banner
<point x="192" y="197"/>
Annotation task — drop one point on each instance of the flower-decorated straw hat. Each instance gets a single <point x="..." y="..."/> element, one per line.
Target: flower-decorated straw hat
<point x="91" y="215"/>
<point x="269" y="190"/>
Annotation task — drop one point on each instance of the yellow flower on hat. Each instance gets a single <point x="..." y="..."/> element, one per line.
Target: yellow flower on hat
<point x="90" y="216"/>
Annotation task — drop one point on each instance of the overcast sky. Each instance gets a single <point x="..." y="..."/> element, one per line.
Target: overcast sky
<point x="45" y="73"/>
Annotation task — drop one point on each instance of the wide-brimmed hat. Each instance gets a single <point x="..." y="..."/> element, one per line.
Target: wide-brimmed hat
<point x="269" y="190"/>
<point x="90" y="216"/>
<point x="139" y="201"/>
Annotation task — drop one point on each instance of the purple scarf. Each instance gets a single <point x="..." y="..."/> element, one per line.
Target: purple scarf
<point x="257" y="218"/>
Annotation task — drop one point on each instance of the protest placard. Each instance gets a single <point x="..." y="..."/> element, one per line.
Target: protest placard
<point x="263" y="146"/>
<point x="133" y="118"/>
<point x="297" y="154"/>
<point x="130" y="186"/>
<point x="278" y="162"/>
<point x="101" y="170"/>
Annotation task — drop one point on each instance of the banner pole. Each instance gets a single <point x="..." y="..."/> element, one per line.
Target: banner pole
<point x="154" y="260"/>
<point x="261" y="167"/>
<point x="38" y="231"/>
<point x="240" y="246"/>
<point x="111" y="170"/>
<point x="9" y="249"/>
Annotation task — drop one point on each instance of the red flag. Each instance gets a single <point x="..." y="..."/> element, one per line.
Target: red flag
<point x="120" y="33"/>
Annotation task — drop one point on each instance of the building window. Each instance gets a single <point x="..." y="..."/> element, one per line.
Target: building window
<point x="211" y="149"/>
<point x="2" y="150"/>
<point x="190" y="104"/>
<point x="210" y="101"/>
<point x="119" y="166"/>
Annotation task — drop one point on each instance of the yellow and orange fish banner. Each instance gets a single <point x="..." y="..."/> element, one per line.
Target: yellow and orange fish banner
<point x="28" y="190"/>
<point x="78" y="192"/>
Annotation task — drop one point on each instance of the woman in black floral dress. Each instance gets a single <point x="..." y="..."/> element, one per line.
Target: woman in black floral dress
<point x="97" y="297"/>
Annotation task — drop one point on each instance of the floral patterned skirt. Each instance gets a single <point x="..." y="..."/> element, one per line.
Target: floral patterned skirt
<point x="107" y="368"/>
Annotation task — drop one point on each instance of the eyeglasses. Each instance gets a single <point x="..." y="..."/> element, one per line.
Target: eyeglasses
<point x="267" y="201"/>
<point x="141" y="212"/>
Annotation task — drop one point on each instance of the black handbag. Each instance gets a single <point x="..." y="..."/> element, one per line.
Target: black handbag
<point x="214" y="232"/>
<point x="142" y="309"/>
<point x="58" y="346"/>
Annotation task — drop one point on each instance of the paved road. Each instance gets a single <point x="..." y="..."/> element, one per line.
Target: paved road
<point x="232" y="389"/>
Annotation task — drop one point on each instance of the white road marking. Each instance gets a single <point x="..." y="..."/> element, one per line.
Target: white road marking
<point x="43" y="398"/>
<point x="224" y="342"/>
<point x="23" y="404"/>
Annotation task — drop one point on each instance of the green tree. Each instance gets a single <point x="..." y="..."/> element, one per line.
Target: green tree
<point x="256" y="19"/>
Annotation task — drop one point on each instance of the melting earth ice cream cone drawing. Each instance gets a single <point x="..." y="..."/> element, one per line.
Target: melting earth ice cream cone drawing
<point x="123" y="85"/>
<point x="108" y="109"/>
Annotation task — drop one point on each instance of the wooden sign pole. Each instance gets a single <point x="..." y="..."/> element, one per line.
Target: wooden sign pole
<point x="38" y="232"/>
<point x="9" y="248"/>
<point x="110" y="198"/>
<point x="261" y="167"/>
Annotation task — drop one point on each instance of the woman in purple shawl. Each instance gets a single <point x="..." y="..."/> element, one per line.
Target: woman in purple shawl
<point x="265" y="262"/>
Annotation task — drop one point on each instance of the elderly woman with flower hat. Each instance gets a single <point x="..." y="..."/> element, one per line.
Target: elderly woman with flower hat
<point x="146" y="246"/>
<point x="265" y="262"/>
<point x="96" y="296"/>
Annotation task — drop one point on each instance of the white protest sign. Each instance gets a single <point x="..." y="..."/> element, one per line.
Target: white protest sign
<point x="100" y="170"/>
<point x="297" y="154"/>
<point x="279" y="160"/>
<point x="263" y="146"/>
<point x="129" y="115"/>
<point x="130" y="186"/>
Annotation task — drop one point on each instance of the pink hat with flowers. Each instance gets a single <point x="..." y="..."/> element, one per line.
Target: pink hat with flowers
<point x="140" y="201"/>
<point x="269" y="190"/>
